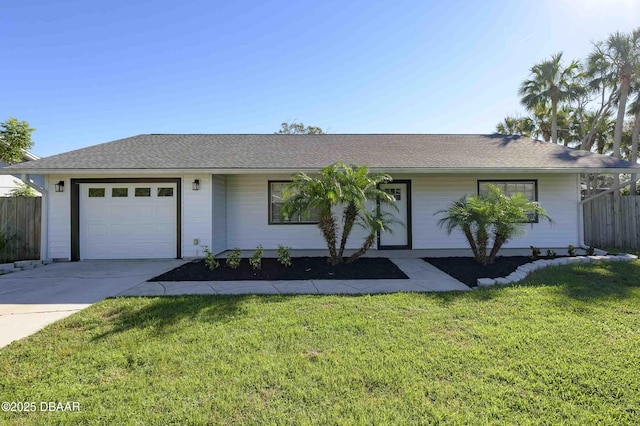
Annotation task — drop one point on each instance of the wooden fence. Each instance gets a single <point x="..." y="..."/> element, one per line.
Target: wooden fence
<point x="20" y="228"/>
<point x="613" y="223"/>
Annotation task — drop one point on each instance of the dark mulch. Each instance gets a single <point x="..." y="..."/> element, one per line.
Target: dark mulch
<point x="303" y="268"/>
<point x="467" y="270"/>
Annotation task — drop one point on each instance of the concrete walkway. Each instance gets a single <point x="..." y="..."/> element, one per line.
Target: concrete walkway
<point x="32" y="299"/>
<point x="422" y="277"/>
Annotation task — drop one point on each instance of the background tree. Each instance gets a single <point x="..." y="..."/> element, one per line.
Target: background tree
<point x="634" y="109"/>
<point x="523" y="126"/>
<point x="22" y="190"/>
<point x="623" y="51"/>
<point x="337" y="186"/>
<point x="15" y="139"/>
<point x="551" y="84"/>
<point x="601" y="81"/>
<point x="298" y="129"/>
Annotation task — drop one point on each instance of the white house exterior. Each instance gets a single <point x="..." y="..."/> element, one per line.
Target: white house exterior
<point x="137" y="198"/>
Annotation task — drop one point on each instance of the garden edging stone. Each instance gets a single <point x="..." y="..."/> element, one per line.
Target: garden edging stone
<point x="522" y="271"/>
<point x="22" y="265"/>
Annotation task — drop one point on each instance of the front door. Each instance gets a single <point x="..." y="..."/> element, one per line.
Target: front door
<point x="399" y="237"/>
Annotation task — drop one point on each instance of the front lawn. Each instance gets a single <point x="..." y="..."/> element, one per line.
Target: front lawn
<point x="561" y="348"/>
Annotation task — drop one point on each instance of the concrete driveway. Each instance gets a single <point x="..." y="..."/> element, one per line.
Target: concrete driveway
<point x="32" y="299"/>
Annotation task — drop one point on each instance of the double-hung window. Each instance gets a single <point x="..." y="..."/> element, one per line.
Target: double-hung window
<point x="529" y="188"/>
<point x="276" y="199"/>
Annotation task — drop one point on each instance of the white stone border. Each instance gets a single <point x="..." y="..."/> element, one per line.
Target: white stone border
<point x="21" y="265"/>
<point x="527" y="268"/>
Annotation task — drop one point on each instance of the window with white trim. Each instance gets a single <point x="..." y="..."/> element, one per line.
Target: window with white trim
<point x="276" y="199"/>
<point x="529" y="188"/>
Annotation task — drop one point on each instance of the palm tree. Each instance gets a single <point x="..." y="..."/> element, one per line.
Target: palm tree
<point x="338" y="185"/>
<point x="623" y="50"/>
<point x="602" y="81"/>
<point x="493" y="217"/>
<point x="634" y="109"/>
<point x="551" y="83"/>
<point x="516" y="126"/>
<point x="375" y="223"/>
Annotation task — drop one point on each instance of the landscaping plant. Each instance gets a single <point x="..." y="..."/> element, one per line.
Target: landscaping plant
<point x="284" y="257"/>
<point x="209" y="260"/>
<point x="571" y="250"/>
<point x="551" y="253"/>
<point x="256" y="258"/>
<point x="590" y="251"/>
<point x="375" y="222"/>
<point x="350" y="188"/>
<point x="233" y="258"/>
<point x="489" y="218"/>
<point x="535" y="252"/>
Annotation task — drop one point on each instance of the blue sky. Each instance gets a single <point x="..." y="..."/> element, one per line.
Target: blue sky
<point x="86" y="72"/>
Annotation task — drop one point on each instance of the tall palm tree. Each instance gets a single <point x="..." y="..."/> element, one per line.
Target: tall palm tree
<point x="634" y="109"/>
<point x="601" y="81"/>
<point x="338" y="185"/>
<point x="551" y="83"/>
<point x="623" y="50"/>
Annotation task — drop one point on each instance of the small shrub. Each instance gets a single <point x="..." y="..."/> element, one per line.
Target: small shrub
<point x="571" y="250"/>
<point x="211" y="262"/>
<point x="256" y="258"/>
<point x="551" y="253"/>
<point x="535" y="253"/>
<point x="233" y="258"/>
<point x="591" y="251"/>
<point x="284" y="257"/>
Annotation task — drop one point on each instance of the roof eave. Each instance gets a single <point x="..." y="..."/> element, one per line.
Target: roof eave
<point x="390" y="170"/>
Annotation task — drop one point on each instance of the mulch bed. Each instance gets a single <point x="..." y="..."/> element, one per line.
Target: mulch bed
<point x="467" y="270"/>
<point x="303" y="268"/>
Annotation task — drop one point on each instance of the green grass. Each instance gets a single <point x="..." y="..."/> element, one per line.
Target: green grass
<point x="562" y="348"/>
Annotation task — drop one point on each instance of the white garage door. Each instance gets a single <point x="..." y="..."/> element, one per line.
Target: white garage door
<point x="128" y="220"/>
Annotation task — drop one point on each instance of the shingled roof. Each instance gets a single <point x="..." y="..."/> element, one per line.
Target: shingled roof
<point x="305" y="152"/>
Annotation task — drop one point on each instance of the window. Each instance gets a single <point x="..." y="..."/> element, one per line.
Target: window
<point x="165" y="192"/>
<point x="143" y="192"/>
<point x="275" y="202"/>
<point x="511" y="187"/>
<point x="396" y="193"/>
<point x="96" y="192"/>
<point x="119" y="192"/>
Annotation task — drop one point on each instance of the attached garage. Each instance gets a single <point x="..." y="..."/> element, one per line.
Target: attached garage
<point x="125" y="218"/>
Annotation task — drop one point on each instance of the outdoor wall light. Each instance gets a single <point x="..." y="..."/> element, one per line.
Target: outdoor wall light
<point x="60" y="186"/>
<point x="196" y="185"/>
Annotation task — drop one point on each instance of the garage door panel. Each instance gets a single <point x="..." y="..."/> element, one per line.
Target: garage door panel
<point x="127" y="227"/>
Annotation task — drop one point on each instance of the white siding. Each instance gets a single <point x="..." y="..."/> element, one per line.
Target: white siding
<point x="219" y="214"/>
<point x="196" y="215"/>
<point x="248" y="221"/>
<point x="59" y="225"/>
<point x="558" y="194"/>
<point x="232" y="211"/>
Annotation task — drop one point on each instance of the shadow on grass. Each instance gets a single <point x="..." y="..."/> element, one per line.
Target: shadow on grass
<point x="160" y="315"/>
<point x="163" y="314"/>
<point x="589" y="281"/>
